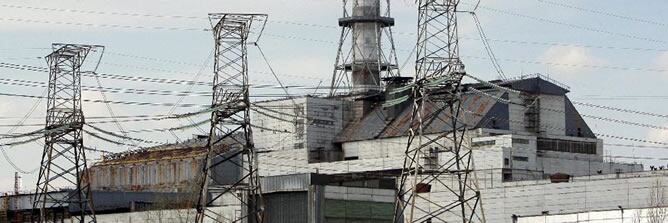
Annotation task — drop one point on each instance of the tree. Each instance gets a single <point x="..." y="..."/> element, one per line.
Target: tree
<point x="656" y="211"/>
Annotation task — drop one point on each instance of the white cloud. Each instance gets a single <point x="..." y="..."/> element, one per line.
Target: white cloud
<point x="658" y="135"/>
<point x="4" y="108"/>
<point x="662" y="61"/>
<point x="570" y="59"/>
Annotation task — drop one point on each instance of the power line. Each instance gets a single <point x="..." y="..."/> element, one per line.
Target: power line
<point x="488" y="48"/>
<point x="102" y="25"/>
<point x="158" y="80"/>
<point x="600" y="67"/>
<point x="336" y="27"/>
<point x="575" y="26"/>
<point x="112" y="102"/>
<point x="595" y="11"/>
<point x="100" y="12"/>
<point x="620" y="109"/>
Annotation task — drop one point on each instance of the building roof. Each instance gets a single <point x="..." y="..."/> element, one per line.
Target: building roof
<point x="377" y="124"/>
<point x="479" y="112"/>
<point x="187" y="149"/>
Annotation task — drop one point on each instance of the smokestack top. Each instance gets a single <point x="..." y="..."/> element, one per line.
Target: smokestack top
<point x="366" y="23"/>
<point x="366" y="29"/>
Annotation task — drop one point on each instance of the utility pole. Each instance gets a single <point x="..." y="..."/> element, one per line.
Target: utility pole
<point x="361" y="62"/>
<point x="230" y="134"/>
<point x="64" y="158"/>
<point x="437" y="165"/>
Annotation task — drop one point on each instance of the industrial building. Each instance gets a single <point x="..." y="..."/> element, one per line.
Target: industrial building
<point x="522" y="169"/>
<point x="338" y="158"/>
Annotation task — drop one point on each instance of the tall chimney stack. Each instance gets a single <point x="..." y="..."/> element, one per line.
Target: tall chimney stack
<point x="366" y="50"/>
<point x="371" y="57"/>
<point x="17" y="183"/>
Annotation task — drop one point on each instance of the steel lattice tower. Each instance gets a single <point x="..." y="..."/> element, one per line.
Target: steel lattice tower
<point x="231" y="134"/>
<point x="64" y="158"/>
<point x="361" y="61"/>
<point x="438" y="165"/>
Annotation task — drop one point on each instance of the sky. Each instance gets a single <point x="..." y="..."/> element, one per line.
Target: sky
<point x="611" y="53"/>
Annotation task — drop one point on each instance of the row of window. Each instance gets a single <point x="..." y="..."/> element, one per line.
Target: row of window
<point x="567" y="146"/>
<point x="506" y="161"/>
<point x="550" y="145"/>
<point x="483" y="143"/>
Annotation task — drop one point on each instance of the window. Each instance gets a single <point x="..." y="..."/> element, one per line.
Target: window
<point x="322" y="122"/>
<point x="566" y="146"/>
<point x="483" y="143"/>
<point x="507" y="177"/>
<point x="506" y="161"/>
<point x="520" y="141"/>
<point x="521" y="158"/>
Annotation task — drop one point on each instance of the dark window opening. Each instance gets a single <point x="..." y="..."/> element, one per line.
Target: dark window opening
<point x="507" y="177"/>
<point x="566" y="146"/>
<point x="484" y="143"/>
<point x="520" y="141"/>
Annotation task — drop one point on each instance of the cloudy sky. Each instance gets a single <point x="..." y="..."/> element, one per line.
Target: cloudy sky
<point x="609" y="52"/>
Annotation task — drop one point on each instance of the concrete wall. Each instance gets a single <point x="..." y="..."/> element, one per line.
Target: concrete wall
<point x="624" y="215"/>
<point x="533" y="198"/>
<point x="516" y="153"/>
<point x="516" y="113"/>
<point x="605" y="192"/>
<point x="552" y="116"/>
<point x="311" y="126"/>
<point x="281" y="125"/>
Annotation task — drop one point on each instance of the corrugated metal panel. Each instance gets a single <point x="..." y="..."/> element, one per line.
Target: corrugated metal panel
<point x="362" y="211"/>
<point x="297" y="182"/>
<point x="288" y="207"/>
<point x="24" y="201"/>
<point x="228" y="172"/>
<point x="123" y="201"/>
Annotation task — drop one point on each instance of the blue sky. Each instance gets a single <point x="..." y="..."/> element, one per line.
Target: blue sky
<point x="611" y="52"/>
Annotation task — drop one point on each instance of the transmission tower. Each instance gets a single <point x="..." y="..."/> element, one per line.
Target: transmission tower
<point x="64" y="158"/>
<point x="438" y="165"/>
<point x="230" y="135"/>
<point x="361" y="60"/>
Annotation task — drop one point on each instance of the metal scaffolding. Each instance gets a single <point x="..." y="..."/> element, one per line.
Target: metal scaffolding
<point x="230" y="134"/>
<point x="361" y="60"/>
<point x="438" y="164"/>
<point x="64" y="158"/>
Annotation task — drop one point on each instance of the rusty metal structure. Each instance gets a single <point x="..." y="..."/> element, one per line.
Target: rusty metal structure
<point x="439" y="73"/>
<point x="169" y="169"/>
<point x="361" y="59"/>
<point x="64" y="157"/>
<point x="230" y="121"/>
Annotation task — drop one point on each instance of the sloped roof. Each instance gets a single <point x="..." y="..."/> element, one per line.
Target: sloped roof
<point x="480" y="112"/>
<point x="437" y="117"/>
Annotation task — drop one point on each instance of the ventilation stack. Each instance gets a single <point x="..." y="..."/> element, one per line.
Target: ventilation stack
<point x="367" y="34"/>
<point x="366" y="53"/>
